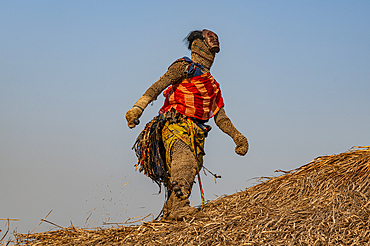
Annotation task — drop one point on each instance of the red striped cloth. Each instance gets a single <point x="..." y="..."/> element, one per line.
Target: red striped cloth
<point x="199" y="97"/>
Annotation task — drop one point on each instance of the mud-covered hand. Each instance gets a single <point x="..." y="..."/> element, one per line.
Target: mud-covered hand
<point x="137" y="110"/>
<point x="132" y="115"/>
<point x="241" y="144"/>
<point x="224" y="123"/>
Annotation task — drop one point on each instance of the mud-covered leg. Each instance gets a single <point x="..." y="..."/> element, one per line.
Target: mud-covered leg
<point x="183" y="171"/>
<point x="168" y="206"/>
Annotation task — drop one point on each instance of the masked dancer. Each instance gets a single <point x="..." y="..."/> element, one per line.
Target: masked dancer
<point x="170" y="149"/>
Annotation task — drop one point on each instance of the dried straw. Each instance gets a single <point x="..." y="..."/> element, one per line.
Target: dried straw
<point x="325" y="202"/>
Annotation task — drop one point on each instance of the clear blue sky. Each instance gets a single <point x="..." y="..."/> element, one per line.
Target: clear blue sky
<point x="294" y="75"/>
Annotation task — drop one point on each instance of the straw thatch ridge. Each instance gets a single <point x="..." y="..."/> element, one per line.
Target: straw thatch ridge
<point x="325" y="202"/>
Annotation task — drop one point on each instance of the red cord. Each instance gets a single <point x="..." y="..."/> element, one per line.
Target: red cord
<point x="201" y="191"/>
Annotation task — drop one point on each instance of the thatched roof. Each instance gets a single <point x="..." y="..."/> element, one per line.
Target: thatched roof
<point x="325" y="202"/>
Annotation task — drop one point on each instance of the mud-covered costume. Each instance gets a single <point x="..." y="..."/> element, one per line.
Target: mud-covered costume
<point x="170" y="149"/>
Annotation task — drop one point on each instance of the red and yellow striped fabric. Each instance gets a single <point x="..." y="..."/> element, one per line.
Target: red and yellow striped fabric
<point x="199" y="97"/>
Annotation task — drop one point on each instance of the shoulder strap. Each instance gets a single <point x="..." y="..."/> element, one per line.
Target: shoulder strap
<point x="185" y="58"/>
<point x="193" y="69"/>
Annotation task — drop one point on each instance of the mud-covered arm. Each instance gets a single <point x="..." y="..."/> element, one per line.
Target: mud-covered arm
<point x="174" y="74"/>
<point x="225" y="124"/>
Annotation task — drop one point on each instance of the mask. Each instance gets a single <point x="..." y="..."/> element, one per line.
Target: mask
<point x="211" y="40"/>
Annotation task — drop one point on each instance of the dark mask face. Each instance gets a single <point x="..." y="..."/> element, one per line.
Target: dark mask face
<point x="211" y="40"/>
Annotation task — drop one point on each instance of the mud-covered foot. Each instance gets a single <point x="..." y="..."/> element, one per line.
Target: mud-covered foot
<point x="181" y="213"/>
